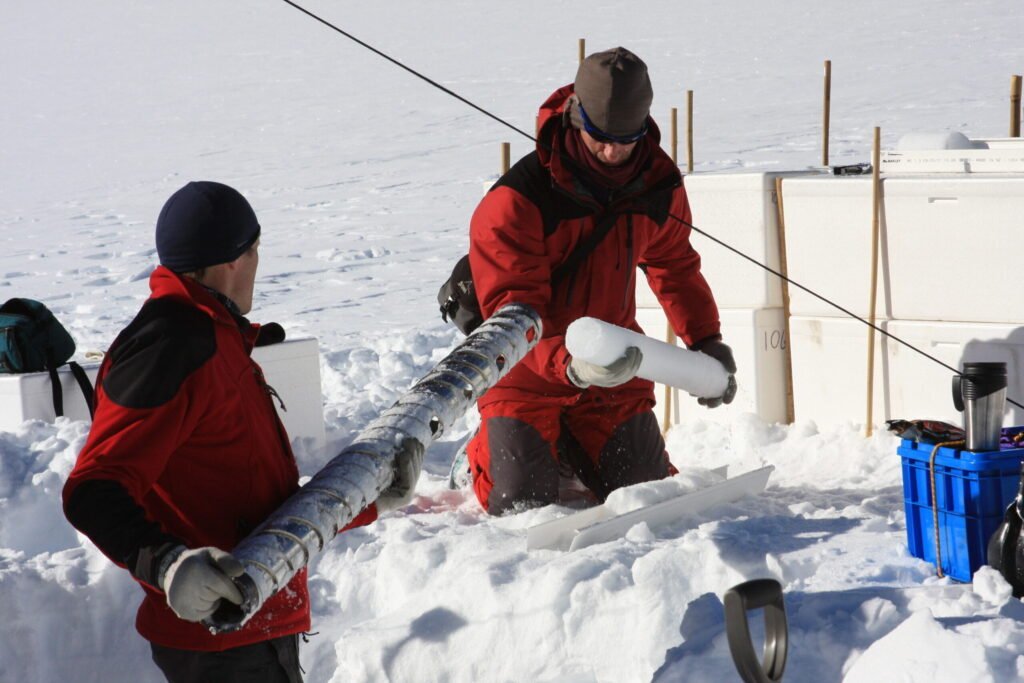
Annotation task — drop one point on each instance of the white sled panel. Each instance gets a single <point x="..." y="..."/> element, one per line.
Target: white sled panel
<point x="599" y="525"/>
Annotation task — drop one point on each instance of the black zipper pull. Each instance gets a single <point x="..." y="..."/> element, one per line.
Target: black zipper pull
<point x="271" y="391"/>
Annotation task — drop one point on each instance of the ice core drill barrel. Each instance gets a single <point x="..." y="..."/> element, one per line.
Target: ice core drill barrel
<point x="298" y="530"/>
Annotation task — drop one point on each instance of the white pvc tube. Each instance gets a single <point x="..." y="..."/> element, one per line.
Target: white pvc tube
<point x="601" y="343"/>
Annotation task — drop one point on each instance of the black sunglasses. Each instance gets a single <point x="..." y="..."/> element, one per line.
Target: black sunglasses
<point x="607" y="138"/>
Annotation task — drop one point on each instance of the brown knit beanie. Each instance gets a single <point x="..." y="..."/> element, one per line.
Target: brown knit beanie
<point x="615" y="91"/>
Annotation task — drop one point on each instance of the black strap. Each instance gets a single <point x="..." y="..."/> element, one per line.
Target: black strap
<point x="605" y="222"/>
<point x="6" y="362"/>
<point x="86" y="386"/>
<point x="58" y="393"/>
<point x="55" y="387"/>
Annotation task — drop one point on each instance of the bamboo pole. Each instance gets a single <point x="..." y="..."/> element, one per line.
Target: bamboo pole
<point x="689" y="131"/>
<point x="1015" y="87"/>
<point x="826" y="112"/>
<point x="582" y="49"/>
<point x="670" y="334"/>
<point x="506" y="157"/>
<point x="876" y="197"/>
<point x="674" y="149"/>
<point x="784" y="269"/>
<point x="666" y="422"/>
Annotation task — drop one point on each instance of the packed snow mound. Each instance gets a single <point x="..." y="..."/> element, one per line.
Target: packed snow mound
<point x="442" y="591"/>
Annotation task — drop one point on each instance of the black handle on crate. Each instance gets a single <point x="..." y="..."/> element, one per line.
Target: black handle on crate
<point x="958" y="396"/>
<point x="738" y="600"/>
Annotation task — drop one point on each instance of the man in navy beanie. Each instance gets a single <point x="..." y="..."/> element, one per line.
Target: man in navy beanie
<point x="204" y="224"/>
<point x="186" y="454"/>
<point x="204" y="230"/>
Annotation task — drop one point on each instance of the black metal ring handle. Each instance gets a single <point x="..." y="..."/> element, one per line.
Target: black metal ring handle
<point x="766" y="593"/>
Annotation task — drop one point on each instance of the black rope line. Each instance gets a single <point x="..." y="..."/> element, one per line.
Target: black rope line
<point x="414" y="72"/>
<point x="736" y="251"/>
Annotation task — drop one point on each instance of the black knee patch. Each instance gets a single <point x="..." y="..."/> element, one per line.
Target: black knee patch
<point x="522" y="465"/>
<point x="635" y="453"/>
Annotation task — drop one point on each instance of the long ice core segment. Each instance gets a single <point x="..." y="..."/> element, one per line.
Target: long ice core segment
<point x="596" y="341"/>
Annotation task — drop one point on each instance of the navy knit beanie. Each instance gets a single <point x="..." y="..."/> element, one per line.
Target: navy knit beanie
<point x="203" y="224"/>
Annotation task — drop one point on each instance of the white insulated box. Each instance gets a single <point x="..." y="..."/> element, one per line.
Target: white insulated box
<point x="954" y="247"/>
<point x="739" y="209"/>
<point x="954" y="153"/>
<point x="830" y="361"/>
<point x="757" y="338"/>
<point x="830" y="368"/>
<point x="920" y="388"/>
<point x="947" y="246"/>
<point x="291" y="367"/>
<point x="828" y="246"/>
<point x="29" y="396"/>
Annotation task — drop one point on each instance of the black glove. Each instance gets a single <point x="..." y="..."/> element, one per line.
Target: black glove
<point x="268" y="334"/>
<point x="720" y="351"/>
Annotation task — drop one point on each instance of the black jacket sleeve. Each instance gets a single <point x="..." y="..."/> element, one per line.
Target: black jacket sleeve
<point x="104" y="511"/>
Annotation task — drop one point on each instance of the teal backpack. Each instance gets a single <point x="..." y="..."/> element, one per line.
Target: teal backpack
<point x="32" y="340"/>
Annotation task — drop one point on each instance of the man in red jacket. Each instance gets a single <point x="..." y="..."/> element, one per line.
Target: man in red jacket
<point x="597" y="167"/>
<point x="186" y="454"/>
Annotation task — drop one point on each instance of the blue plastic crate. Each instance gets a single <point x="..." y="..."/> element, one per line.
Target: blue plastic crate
<point x="973" y="490"/>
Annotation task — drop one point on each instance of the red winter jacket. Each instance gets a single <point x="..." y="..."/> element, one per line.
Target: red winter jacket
<point x="186" y="447"/>
<point x="533" y="218"/>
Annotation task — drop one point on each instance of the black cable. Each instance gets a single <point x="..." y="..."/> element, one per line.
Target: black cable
<point x="736" y="251"/>
<point x="415" y="73"/>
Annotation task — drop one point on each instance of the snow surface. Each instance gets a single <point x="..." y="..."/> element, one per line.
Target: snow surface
<point x="364" y="179"/>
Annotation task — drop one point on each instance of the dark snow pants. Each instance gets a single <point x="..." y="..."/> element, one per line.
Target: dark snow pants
<point x="609" y="441"/>
<point x="272" y="661"/>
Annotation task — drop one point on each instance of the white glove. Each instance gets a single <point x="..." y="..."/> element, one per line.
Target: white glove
<point x="197" y="580"/>
<point x="583" y="374"/>
<point x="408" y="463"/>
